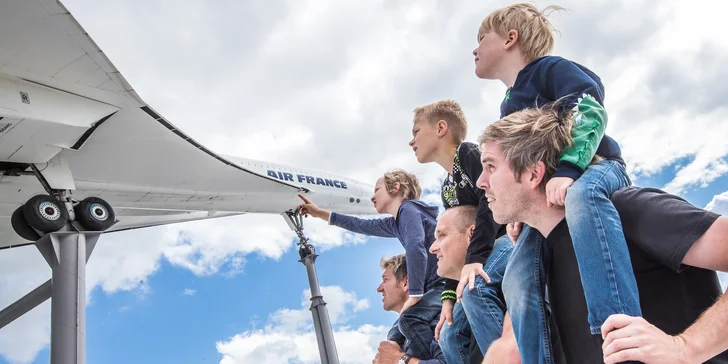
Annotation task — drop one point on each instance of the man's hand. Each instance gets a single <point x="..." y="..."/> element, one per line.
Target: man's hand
<point x="409" y="303"/>
<point x="388" y="353"/>
<point x="513" y="230"/>
<point x="445" y="315"/>
<point x="309" y="208"/>
<point x="633" y="338"/>
<point x="556" y="190"/>
<point x="468" y="276"/>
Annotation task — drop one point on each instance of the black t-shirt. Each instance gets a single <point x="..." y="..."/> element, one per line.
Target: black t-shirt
<point x="660" y="229"/>
<point x="459" y="189"/>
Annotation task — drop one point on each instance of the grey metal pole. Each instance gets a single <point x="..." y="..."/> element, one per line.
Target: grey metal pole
<point x="68" y="302"/>
<point x="324" y="333"/>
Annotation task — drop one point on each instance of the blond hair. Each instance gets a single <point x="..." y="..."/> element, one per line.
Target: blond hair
<point x="449" y="111"/>
<point x="409" y="185"/>
<point x="535" y="32"/>
<point x="398" y="263"/>
<point x="530" y="136"/>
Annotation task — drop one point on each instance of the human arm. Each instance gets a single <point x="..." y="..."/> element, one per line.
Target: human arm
<point x="381" y="227"/>
<point x="569" y="84"/>
<point x="389" y="352"/>
<point x="412" y="233"/>
<point x="505" y="348"/>
<point x="677" y="234"/>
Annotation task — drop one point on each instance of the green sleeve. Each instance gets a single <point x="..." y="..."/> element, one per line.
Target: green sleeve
<point x="590" y="122"/>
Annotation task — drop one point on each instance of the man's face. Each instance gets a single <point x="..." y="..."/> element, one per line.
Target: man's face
<point x="394" y="294"/>
<point x="450" y="246"/>
<point x="424" y="140"/>
<point x="508" y="198"/>
<point x="488" y="55"/>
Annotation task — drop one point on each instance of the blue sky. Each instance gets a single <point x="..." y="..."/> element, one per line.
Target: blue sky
<point x="331" y="86"/>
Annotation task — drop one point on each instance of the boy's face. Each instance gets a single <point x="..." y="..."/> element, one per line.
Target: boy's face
<point x="489" y="55"/>
<point x="424" y="140"/>
<point x="381" y="198"/>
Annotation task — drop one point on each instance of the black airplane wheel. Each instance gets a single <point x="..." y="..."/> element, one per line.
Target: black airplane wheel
<point x="94" y="214"/>
<point x="21" y="227"/>
<point x="45" y="214"/>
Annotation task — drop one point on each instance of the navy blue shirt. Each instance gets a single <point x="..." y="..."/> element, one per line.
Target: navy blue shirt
<point x="551" y="78"/>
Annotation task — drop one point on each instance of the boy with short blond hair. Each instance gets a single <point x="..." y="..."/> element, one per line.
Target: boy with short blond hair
<point x="514" y="43"/>
<point x="439" y="130"/>
<point x="413" y="222"/>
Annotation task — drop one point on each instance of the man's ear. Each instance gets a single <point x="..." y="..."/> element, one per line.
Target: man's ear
<point x="469" y="232"/>
<point x="511" y="39"/>
<point x="441" y="128"/>
<point x="536" y="174"/>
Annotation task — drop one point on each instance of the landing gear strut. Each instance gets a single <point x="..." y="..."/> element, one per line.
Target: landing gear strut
<point x="321" y="322"/>
<point x="65" y="235"/>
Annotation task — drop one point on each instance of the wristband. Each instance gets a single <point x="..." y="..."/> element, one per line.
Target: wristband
<point x="449" y="294"/>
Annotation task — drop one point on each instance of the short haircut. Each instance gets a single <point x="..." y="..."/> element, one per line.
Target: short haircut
<point x="535" y="32"/>
<point x="532" y="135"/>
<point x="449" y="111"/>
<point x="409" y="185"/>
<point x="398" y="263"/>
<point x="463" y="216"/>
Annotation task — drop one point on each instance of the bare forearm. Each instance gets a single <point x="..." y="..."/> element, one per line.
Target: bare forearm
<point x="707" y="337"/>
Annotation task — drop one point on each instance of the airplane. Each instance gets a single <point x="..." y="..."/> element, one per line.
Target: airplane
<point x="81" y="155"/>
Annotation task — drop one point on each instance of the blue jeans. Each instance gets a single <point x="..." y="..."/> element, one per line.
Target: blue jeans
<point x="601" y="252"/>
<point x="483" y="308"/>
<point x="455" y="339"/>
<point x="416" y="324"/>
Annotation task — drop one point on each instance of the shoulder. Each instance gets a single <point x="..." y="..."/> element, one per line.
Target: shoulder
<point x="468" y="151"/>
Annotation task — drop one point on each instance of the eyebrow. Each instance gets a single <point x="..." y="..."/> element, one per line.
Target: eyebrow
<point x="487" y="159"/>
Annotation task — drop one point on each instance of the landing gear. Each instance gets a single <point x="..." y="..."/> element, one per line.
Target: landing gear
<point x="321" y="323"/>
<point x="94" y="214"/>
<point x="65" y="235"/>
<point x="45" y="214"/>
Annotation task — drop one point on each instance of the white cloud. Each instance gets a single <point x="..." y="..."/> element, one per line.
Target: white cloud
<point x="189" y="292"/>
<point x="289" y="334"/>
<point x="331" y="85"/>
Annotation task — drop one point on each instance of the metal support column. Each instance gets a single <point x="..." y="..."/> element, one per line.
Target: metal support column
<point x="67" y="253"/>
<point x="321" y="322"/>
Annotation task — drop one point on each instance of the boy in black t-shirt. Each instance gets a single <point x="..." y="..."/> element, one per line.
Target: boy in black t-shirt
<point x="439" y="130"/>
<point x="674" y="248"/>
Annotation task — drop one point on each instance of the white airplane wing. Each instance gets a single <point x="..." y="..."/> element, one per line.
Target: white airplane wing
<point x="69" y="112"/>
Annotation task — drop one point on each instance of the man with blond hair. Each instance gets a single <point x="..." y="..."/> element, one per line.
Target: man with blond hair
<point x="412" y="222"/>
<point x="674" y="249"/>
<point x="514" y="43"/>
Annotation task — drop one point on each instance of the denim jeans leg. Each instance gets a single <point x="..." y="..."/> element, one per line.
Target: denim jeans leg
<point x="455" y="339"/>
<point x="416" y="322"/>
<point x="524" y="290"/>
<point x="601" y="250"/>
<point x="484" y="306"/>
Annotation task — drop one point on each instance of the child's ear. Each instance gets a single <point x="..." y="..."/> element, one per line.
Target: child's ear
<point x="395" y="188"/>
<point x="441" y="128"/>
<point x="511" y="39"/>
